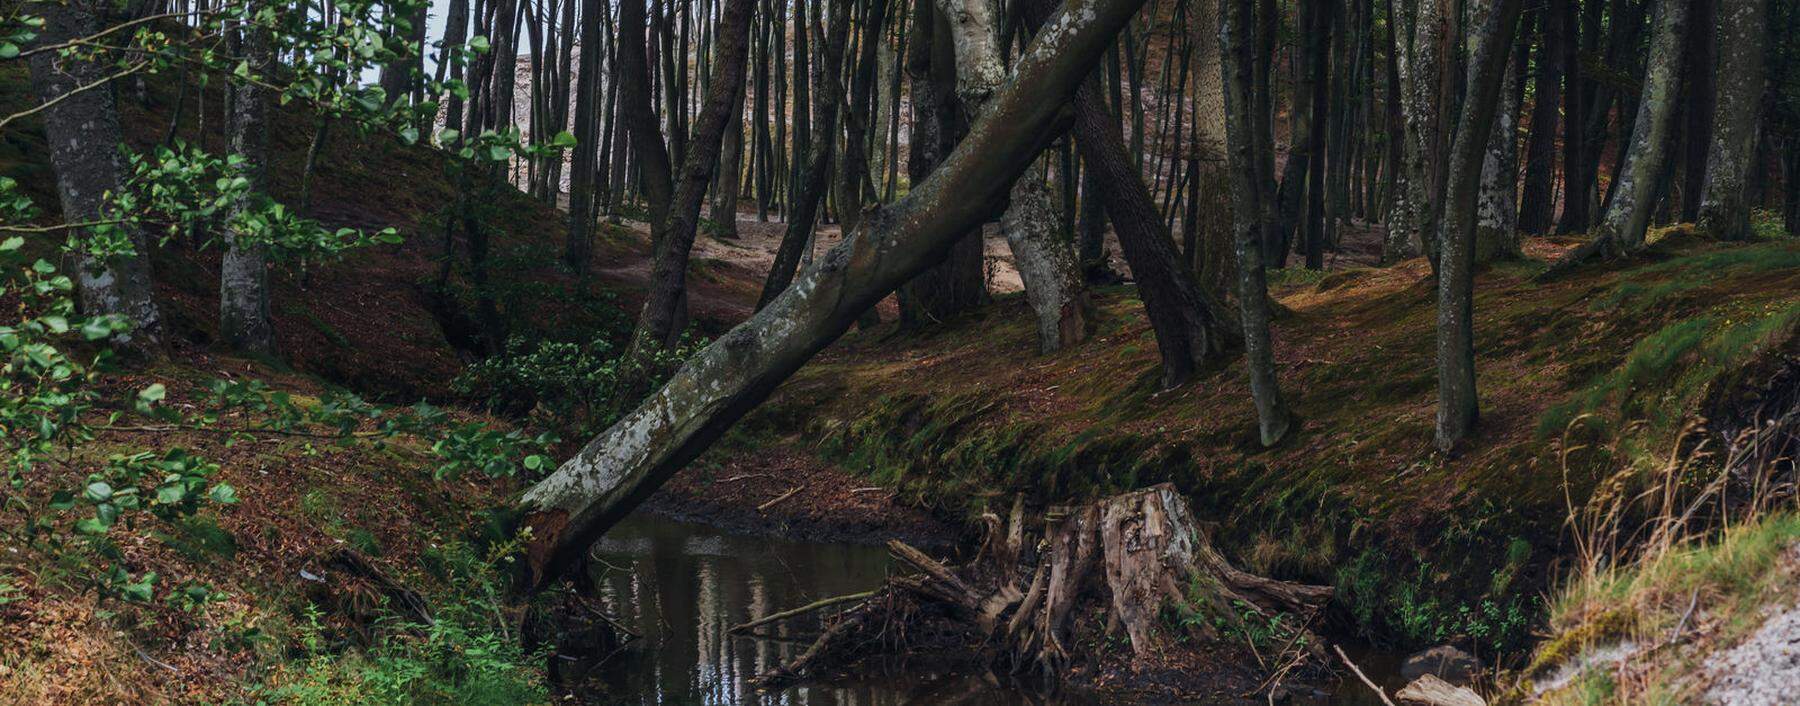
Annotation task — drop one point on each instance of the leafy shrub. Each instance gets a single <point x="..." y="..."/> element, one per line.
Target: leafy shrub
<point x="580" y="387"/>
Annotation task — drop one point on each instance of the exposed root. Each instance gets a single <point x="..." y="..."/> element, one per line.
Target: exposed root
<point x="1140" y="558"/>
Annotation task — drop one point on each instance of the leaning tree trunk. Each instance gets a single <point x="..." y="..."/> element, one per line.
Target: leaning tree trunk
<point x="1238" y="73"/>
<point x="1634" y="188"/>
<point x="244" y="320"/>
<point x="1046" y="265"/>
<point x="82" y="128"/>
<point x="1135" y="558"/>
<point x="621" y="467"/>
<point x="1457" y="407"/>
<point x="1743" y="48"/>
<point x="658" y="325"/>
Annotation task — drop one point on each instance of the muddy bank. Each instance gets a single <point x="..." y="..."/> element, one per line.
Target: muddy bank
<point x="785" y="492"/>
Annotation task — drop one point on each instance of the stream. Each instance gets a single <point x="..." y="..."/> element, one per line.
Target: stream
<point x="682" y="586"/>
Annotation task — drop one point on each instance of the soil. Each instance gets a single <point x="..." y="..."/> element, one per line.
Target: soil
<point x="783" y="491"/>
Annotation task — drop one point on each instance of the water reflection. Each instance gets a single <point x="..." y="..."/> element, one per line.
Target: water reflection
<point x="683" y="586"/>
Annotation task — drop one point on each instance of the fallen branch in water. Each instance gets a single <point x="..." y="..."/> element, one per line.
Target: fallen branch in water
<point x="802" y="610"/>
<point x="1360" y="675"/>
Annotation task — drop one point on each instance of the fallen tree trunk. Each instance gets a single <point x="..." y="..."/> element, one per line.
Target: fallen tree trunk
<point x="1137" y="557"/>
<point x="621" y="467"/>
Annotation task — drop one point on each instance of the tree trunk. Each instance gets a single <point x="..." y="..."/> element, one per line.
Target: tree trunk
<point x="244" y="321"/>
<point x="1416" y="207"/>
<point x="650" y="155"/>
<point x="816" y="170"/>
<point x="1537" y="210"/>
<point x="1496" y="211"/>
<point x="659" y="324"/>
<point x="83" y="132"/>
<point x="566" y="511"/>
<point x="1634" y="187"/>
<point x="1193" y="330"/>
<point x="1743" y="49"/>
<point x="1047" y="267"/>
<point x="1457" y="406"/>
<point x="958" y="283"/>
<point x="1238" y="72"/>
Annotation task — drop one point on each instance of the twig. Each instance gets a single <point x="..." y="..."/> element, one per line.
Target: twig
<point x="152" y="660"/>
<point x="802" y="610"/>
<point x="1360" y="675"/>
<point x="60" y="226"/>
<point x="134" y="68"/>
<point x="159" y="429"/>
<point x="745" y="476"/>
<point x="92" y="37"/>
<point x="765" y="506"/>
<point x="870" y="489"/>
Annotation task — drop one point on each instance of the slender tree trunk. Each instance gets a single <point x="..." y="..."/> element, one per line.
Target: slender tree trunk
<point x="1458" y="408"/>
<point x="659" y="324"/>
<point x="244" y="320"/>
<point x="958" y="283"/>
<point x="1496" y="210"/>
<point x="1238" y="72"/>
<point x="1536" y="202"/>
<point x="619" y="468"/>
<point x="83" y="132"/>
<point x="814" y="175"/>
<point x="1743" y="49"/>
<point x="1634" y="186"/>
<point x="579" y="248"/>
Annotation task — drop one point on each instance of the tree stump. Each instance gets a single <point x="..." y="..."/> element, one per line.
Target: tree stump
<point x="1140" y="556"/>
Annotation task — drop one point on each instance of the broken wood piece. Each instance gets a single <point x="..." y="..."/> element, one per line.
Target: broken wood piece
<point x="765" y="506"/>
<point x="802" y="610"/>
<point x="1429" y="690"/>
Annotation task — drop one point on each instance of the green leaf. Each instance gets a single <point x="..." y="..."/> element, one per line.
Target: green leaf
<point x="498" y="153"/>
<point x="409" y="134"/>
<point x="171" y="494"/>
<point x="242" y="70"/>
<point x="223" y="494"/>
<point x="479" y="43"/>
<point x="534" y="462"/>
<point x="141" y="590"/>
<point x="563" y="139"/>
<point x="8" y="50"/>
<point x="99" y="491"/>
<point x="95" y="329"/>
<point x="11" y="244"/>
<point x="56" y="324"/>
<point x="43" y="267"/>
<point x="447" y="136"/>
<point x="154" y="393"/>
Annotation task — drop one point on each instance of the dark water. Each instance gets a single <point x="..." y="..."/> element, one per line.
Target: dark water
<point x="682" y="586"/>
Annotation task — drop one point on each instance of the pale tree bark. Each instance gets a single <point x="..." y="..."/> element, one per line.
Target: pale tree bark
<point x="1496" y="208"/>
<point x="82" y="129"/>
<point x="621" y="467"/>
<point x="1237" y="72"/>
<point x="1743" y="40"/>
<point x="1420" y="62"/>
<point x="244" y="320"/>
<point x="1457" y="405"/>
<point x="1045" y="261"/>
<point x="1621" y="229"/>
<point x="659" y="324"/>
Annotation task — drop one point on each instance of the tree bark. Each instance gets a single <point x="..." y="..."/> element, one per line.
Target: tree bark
<point x="1743" y="49"/>
<point x="244" y="320"/>
<point x="84" y="137"/>
<point x="1238" y="72"/>
<point x="659" y="324"/>
<point x="1457" y="406"/>
<point x="1496" y="211"/>
<point x="958" y="283"/>
<point x="1634" y="186"/>
<point x="622" y="466"/>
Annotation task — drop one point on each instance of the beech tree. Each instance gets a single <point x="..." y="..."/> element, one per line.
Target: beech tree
<point x="81" y="122"/>
<point x="244" y="319"/>
<point x="1742" y="44"/>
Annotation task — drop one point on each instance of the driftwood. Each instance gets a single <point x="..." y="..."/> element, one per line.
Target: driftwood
<point x="1139" y="556"/>
<point x="1429" y="690"/>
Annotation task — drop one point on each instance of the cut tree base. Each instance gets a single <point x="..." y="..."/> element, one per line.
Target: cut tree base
<point x="1139" y="558"/>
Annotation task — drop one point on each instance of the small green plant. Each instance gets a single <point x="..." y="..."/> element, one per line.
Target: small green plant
<point x="581" y="387"/>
